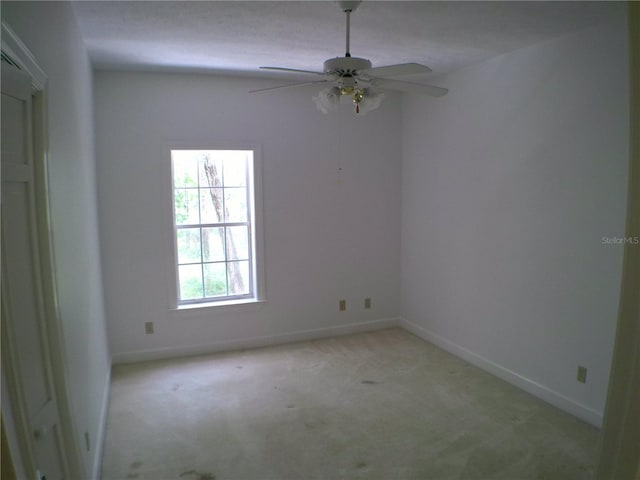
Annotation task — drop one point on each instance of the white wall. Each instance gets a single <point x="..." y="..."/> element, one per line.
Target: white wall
<point x="50" y="32"/>
<point x="509" y="184"/>
<point x="331" y="202"/>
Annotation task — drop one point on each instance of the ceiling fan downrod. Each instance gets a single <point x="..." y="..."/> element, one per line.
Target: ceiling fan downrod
<point x="348" y="12"/>
<point x="348" y="7"/>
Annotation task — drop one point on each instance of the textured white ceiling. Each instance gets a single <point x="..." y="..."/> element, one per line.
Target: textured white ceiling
<point x="240" y="36"/>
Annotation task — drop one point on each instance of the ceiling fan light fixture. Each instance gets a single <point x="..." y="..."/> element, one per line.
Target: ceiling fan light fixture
<point x="364" y="100"/>
<point x="357" y="97"/>
<point x="370" y="100"/>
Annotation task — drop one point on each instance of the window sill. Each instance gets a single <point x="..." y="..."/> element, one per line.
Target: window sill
<point x="245" y="304"/>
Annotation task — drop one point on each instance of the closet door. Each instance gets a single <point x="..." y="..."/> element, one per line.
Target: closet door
<point x="26" y="358"/>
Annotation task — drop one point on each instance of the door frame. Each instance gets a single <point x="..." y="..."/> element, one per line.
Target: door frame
<point x="19" y="435"/>
<point x="620" y="437"/>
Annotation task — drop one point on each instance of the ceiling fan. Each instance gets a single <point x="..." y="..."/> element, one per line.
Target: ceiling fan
<point x="357" y="78"/>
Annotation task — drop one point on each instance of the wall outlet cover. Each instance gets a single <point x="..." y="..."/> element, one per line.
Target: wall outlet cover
<point x="582" y="374"/>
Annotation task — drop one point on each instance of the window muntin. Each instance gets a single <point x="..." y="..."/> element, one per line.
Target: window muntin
<point x="214" y="225"/>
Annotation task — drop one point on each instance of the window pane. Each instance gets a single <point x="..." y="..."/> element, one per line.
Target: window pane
<point x="185" y="168"/>
<point x="237" y="243"/>
<point x="211" y="205"/>
<point x="210" y="169"/>
<point x="235" y="204"/>
<point x="186" y="207"/>
<point x="188" y="245"/>
<point x="215" y="279"/>
<point x="238" y="277"/>
<point x="235" y="169"/>
<point x="213" y="244"/>
<point x="190" y="281"/>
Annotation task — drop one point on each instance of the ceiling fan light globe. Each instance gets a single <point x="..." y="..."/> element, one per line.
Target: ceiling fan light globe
<point x="327" y="99"/>
<point x="370" y="101"/>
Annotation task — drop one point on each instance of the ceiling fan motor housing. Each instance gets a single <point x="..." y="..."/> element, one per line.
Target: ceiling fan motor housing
<point x="344" y="66"/>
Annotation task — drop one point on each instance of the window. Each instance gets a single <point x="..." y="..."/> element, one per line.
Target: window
<point x="214" y="225"/>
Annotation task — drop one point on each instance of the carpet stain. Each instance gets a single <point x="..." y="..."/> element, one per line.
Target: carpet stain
<point x="176" y="387"/>
<point x="239" y="367"/>
<point x="134" y="466"/>
<point x="198" y="475"/>
<point x="370" y="382"/>
<point x="313" y="424"/>
<point x="291" y="406"/>
<point x="361" y="464"/>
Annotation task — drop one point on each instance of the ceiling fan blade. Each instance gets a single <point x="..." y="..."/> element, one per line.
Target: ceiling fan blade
<point x="410" y="87"/>
<point x="395" y="70"/>
<point x="284" y="69"/>
<point x="290" y="85"/>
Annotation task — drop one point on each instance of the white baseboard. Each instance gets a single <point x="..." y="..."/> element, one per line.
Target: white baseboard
<point x="254" y="342"/>
<point x="99" y="441"/>
<point x="542" y="392"/>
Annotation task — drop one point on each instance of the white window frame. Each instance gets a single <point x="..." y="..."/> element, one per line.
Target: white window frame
<point x="254" y="207"/>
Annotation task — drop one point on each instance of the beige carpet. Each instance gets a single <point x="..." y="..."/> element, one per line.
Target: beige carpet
<point x="380" y="405"/>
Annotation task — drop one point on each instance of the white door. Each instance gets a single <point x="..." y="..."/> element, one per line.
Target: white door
<point x="25" y="356"/>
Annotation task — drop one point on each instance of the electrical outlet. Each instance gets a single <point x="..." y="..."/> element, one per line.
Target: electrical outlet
<point x="582" y="374"/>
<point x="367" y="303"/>
<point x="148" y="328"/>
<point x="342" y="305"/>
<point x="87" y="442"/>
